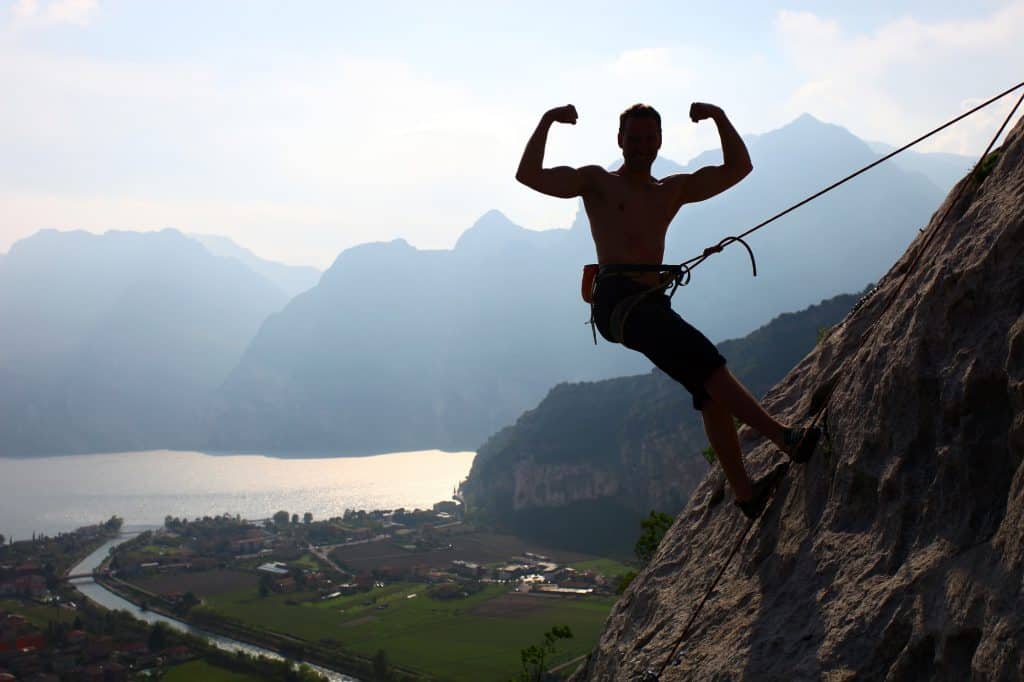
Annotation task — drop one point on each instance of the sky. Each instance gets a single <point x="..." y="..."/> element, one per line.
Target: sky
<point x="299" y="129"/>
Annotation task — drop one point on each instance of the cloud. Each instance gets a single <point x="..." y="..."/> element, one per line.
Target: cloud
<point x="24" y="9"/>
<point x="71" y="11"/>
<point x="905" y="76"/>
<point x="30" y="12"/>
<point x="377" y="148"/>
<point x="340" y="148"/>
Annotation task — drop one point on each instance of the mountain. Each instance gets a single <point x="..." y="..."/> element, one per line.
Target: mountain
<point x="292" y="279"/>
<point x="116" y="342"/>
<point x="942" y="169"/>
<point x="897" y="552"/>
<point x="398" y="348"/>
<point x="592" y="459"/>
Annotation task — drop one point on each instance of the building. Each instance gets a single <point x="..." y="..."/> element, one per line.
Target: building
<point x="274" y="568"/>
<point x="467" y="569"/>
<point x="247" y="545"/>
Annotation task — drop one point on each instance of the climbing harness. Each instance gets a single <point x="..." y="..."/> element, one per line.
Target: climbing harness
<point x="823" y="396"/>
<point x="672" y="277"/>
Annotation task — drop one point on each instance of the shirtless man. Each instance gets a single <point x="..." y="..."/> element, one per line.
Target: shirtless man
<point x="629" y="212"/>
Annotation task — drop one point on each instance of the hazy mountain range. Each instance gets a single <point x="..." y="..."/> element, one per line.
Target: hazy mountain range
<point x="398" y="348"/>
<point x="291" y="279"/>
<point x="117" y="342"/>
<point x="131" y="341"/>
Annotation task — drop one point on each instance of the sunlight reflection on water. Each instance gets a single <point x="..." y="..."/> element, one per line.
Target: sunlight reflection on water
<point x="54" y="494"/>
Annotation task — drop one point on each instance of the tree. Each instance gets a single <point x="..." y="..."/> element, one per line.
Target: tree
<point x="622" y="581"/>
<point x="157" y="638"/>
<point x="281" y="518"/>
<point x="1" y="539"/>
<point x="534" y="657"/>
<point x="654" y="528"/>
<point x="188" y="600"/>
<point x="295" y="519"/>
<point x="307" y="518"/>
<point x="381" y="666"/>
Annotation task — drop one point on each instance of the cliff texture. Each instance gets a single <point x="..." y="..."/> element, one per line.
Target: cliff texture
<point x="897" y="552"/>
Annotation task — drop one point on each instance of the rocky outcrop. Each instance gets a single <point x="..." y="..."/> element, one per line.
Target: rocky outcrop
<point x="897" y="553"/>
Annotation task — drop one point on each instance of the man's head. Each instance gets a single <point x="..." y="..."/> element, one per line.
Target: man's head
<point x="640" y="134"/>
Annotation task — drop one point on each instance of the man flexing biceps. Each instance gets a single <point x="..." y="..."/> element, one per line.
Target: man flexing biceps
<point x="630" y="212"/>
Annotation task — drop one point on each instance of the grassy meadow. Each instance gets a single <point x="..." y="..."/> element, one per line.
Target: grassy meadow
<point x="475" y="638"/>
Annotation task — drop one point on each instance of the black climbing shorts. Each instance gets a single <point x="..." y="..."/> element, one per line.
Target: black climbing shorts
<point x="657" y="331"/>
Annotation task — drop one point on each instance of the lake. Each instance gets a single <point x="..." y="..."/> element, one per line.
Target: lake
<point x="53" y="494"/>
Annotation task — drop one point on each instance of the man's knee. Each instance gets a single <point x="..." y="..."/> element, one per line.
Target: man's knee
<point x="716" y="377"/>
<point x="713" y="409"/>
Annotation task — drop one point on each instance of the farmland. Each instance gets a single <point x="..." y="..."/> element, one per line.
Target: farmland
<point x="478" y="637"/>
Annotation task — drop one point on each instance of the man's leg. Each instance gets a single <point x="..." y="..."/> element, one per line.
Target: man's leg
<point x="721" y="431"/>
<point x="724" y="388"/>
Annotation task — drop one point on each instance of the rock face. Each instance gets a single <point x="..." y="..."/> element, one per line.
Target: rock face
<point x="897" y="552"/>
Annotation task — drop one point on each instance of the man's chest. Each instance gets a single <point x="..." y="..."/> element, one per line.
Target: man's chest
<point x="650" y="205"/>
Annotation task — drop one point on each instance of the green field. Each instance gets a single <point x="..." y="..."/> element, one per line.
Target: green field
<point x="309" y="561"/>
<point x="476" y="638"/>
<point x="201" y="670"/>
<point x="38" y="614"/>
<point x="606" y="567"/>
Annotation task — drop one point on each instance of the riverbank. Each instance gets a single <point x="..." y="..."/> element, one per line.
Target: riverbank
<point x="106" y="598"/>
<point x="52" y="622"/>
<point x="283" y="645"/>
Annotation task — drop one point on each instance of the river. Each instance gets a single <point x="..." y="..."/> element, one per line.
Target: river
<point x="107" y="599"/>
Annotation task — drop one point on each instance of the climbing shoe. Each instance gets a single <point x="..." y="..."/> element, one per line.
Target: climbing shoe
<point x="763" y="489"/>
<point x="800" y="443"/>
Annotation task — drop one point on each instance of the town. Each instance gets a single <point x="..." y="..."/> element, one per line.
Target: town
<point x="388" y="594"/>
<point x="49" y="632"/>
<point x="342" y="556"/>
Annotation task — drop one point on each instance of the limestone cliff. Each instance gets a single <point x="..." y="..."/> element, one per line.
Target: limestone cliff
<point x="583" y="468"/>
<point x="897" y="552"/>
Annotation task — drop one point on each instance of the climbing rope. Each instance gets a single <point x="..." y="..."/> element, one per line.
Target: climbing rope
<point x="921" y="250"/>
<point x="650" y="675"/>
<point x="717" y="248"/>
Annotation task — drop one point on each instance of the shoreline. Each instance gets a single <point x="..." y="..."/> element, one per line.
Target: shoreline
<point x="315" y="455"/>
<point x="51" y="495"/>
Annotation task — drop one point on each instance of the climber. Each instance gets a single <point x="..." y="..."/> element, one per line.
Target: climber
<point x="630" y="212"/>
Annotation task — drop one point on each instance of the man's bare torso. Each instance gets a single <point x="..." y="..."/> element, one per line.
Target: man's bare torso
<point x="629" y="217"/>
<point x="629" y="210"/>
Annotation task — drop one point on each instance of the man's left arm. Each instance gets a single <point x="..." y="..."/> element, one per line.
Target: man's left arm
<point x="711" y="180"/>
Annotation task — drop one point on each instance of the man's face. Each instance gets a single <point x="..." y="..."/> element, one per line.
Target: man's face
<point x="640" y="140"/>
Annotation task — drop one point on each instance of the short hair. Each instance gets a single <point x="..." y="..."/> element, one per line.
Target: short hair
<point x="639" y="111"/>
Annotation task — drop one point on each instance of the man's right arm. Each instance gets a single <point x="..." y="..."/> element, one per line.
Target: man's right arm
<point x="562" y="181"/>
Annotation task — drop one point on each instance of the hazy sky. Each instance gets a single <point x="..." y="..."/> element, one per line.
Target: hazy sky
<point x="299" y="129"/>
